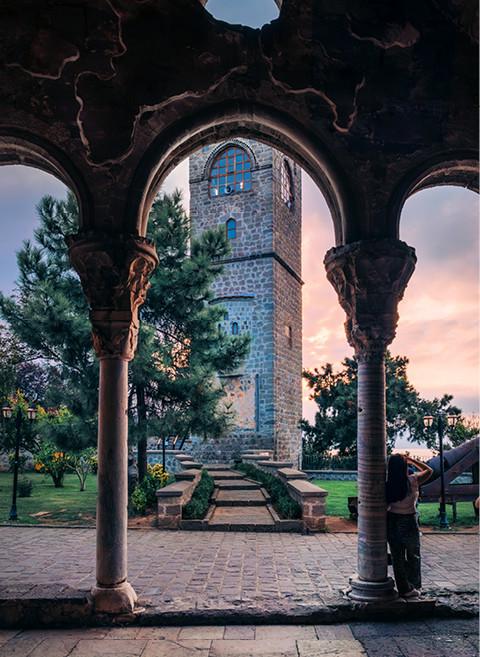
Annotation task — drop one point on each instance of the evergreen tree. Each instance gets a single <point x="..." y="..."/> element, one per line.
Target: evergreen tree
<point x="174" y="388"/>
<point x="335" y="394"/>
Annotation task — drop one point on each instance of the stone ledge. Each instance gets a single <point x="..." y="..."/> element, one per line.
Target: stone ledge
<point x="306" y="489"/>
<point x="276" y="464"/>
<point x="71" y="608"/>
<point x="183" y="457"/>
<point x="187" y="475"/>
<point x="291" y="473"/>
<point x="192" y="465"/>
<point x="177" y="489"/>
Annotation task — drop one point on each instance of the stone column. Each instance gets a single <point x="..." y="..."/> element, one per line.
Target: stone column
<point x="370" y="278"/>
<point x="114" y="272"/>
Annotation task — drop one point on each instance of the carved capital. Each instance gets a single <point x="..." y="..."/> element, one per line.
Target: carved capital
<point x="114" y="272"/>
<point x="370" y="278"/>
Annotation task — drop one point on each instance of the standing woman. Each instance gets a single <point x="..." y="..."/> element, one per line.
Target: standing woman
<point x="402" y="526"/>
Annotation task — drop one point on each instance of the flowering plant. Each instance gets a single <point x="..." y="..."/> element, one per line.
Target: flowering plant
<point x="51" y="461"/>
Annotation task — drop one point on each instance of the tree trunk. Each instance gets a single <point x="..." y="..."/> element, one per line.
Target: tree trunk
<point x="142" y="427"/>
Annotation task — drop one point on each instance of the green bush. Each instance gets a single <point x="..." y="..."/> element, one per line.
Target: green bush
<point x="139" y="500"/>
<point x="24" y="487"/>
<point x="281" y="500"/>
<point x="198" y="505"/>
<point x="144" y="494"/>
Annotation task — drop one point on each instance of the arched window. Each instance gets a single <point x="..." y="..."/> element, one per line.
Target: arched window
<point x="286" y="184"/>
<point x="231" y="172"/>
<point x="231" y="229"/>
<point x="234" y="328"/>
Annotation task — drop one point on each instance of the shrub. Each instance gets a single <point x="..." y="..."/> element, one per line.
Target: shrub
<point x="315" y="461"/>
<point x="143" y="495"/>
<point x="51" y="461"/>
<point x="139" y="500"/>
<point x="198" y="505"/>
<point x="281" y="500"/>
<point x="24" y="487"/>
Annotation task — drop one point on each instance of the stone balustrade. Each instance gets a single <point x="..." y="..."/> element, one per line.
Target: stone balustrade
<point x="173" y="497"/>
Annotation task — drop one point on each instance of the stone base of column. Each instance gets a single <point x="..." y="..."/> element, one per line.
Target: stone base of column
<point x="363" y="591"/>
<point x="119" y="599"/>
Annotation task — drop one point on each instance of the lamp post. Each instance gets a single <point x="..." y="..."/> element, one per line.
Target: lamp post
<point x="441" y="421"/>
<point x="7" y="413"/>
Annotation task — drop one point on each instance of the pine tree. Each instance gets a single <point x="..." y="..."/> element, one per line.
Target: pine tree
<point x="335" y="425"/>
<point x="174" y="387"/>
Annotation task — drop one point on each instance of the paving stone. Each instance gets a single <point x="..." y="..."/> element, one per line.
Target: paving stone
<point x="263" y="648"/>
<point x="333" y="632"/>
<point x="239" y="632"/>
<point x="19" y="646"/>
<point x="330" y="648"/>
<point x="382" y="629"/>
<point x="54" y="648"/>
<point x="273" y="632"/>
<point x="158" y="633"/>
<point x="453" y="626"/>
<point x="103" y="647"/>
<point x="6" y="635"/>
<point x="444" y="646"/>
<point x="122" y="632"/>
<point x="202" y="632"/>
<point x="380" y="647"/>
<point x="184" y="648"/>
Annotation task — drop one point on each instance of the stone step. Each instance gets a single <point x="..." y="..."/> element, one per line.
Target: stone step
<point x="222" y="467"/>
<point x="255" y="518"/>
<point x="242" y="498"/>
<point x="233" y="484"/>
<point x="222" y="475"/>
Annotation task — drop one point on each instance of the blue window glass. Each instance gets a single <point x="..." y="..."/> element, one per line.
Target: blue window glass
<point x="231" y="229"/>
<point x="229" y="172"/>
<point x="234" y="328"/>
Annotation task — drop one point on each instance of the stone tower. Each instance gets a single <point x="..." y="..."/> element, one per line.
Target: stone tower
<point x="254" y="192"/>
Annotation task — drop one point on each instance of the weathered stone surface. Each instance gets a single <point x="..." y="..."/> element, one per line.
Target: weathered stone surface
<point x="370" y="278"/>
<point x="114" y="272"/>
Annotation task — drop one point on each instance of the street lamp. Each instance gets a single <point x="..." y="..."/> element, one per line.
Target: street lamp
<point x="7" y="413"/>
<point x="442" y="421"/>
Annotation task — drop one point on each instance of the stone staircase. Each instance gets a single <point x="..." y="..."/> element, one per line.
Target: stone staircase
<point x="239" y="504"/>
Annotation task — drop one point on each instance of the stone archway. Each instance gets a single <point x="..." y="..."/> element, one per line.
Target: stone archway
<point x="237" y="120"/>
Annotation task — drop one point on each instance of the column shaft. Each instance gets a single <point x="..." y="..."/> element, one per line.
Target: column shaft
<point x="112" y="497"/>
<point x="371" y="446"/>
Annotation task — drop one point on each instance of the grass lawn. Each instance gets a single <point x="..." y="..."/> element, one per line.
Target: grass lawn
<point x="48" y="504"/>
<point x="339" y="491"/>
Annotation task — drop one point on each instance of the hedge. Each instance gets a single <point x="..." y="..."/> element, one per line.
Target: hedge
<point x="283" y="503"/>
<point x="199" y="503"/>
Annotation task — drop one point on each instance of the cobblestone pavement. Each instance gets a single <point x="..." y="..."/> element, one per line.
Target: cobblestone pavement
<point x="180" y="570"/>
<point x="445" y="638"/>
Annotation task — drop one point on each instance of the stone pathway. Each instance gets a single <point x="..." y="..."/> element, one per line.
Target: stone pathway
<point x="191" y="571"/>
<point x="419" y="639"/>
<point x="242" y="506"/>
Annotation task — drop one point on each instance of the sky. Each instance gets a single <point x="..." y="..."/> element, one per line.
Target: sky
<point x="439" y="315"/>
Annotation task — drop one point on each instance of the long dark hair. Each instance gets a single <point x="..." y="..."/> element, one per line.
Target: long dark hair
<point x="398" y="485"/>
